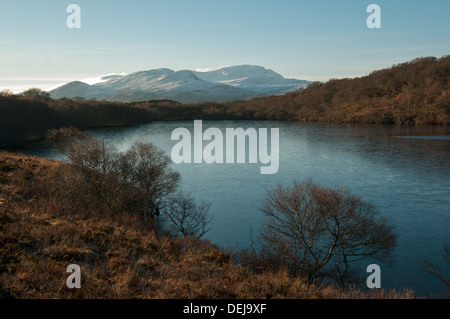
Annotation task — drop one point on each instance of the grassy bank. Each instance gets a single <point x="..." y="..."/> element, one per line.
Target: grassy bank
<point x="121" y="255"/>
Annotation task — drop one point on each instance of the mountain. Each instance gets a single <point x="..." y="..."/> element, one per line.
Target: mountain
<point x="186" y="86"/>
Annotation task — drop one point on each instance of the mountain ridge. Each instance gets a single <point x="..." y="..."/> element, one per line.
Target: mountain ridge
<point x="225" y="84"/>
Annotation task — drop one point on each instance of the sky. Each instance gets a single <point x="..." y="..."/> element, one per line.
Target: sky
<point x="313" y="40"/>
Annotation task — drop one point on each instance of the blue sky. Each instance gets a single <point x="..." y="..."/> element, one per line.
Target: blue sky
<point x="314" y="40"/>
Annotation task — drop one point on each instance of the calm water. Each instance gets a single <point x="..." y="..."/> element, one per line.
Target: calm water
<point x="402" y="170"/>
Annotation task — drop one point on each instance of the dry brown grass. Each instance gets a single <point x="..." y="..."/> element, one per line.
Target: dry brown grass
<point x="120" y="256"/>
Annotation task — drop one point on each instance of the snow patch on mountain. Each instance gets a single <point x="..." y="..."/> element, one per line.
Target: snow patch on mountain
<point x="186" y="86"/>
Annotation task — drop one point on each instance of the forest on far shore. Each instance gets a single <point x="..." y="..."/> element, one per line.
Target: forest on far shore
<point x="412" y="93"/>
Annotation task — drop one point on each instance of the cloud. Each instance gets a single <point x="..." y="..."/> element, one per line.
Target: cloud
<point x="99" y="79"/>
<point x="210" y="69"/>
<point x="20" y="84"/>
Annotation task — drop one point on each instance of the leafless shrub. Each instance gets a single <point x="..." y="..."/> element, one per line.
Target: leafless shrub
<point x="318" y="232"/>
<point x="139" y="180"/>
<point x="190" y="218"/>
<point x="6" y="93"/>
<point x="145" y="169"/>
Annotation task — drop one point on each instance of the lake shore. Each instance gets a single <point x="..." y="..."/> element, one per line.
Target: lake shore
<point x="121" y="256"/>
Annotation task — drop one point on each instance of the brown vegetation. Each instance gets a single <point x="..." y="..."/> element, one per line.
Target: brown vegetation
<point x="27" y="118"/>
<point x="120" y="255"/>
<point x="139" y="180"/>
<point x="416" y="92"/>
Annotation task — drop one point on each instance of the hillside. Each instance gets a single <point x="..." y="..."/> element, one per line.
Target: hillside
<point x="122" y="255"/>
<point x="415" y="93"/>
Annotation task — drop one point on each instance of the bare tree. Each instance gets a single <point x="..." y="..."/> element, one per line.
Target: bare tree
<point x="95" y="161"/>
<point x="139" y="180"/>
<point x="36" y="92"/>
<point x="437" y="271"/>
<point x="146" y="169"/>
<point x="318" y="232"/>
<point x="63" y="139"/>
<point x="190" y="218"/>
<point x="6" y="93"/>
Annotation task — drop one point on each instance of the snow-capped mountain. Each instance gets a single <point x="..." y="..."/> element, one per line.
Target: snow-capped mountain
<point x="225" y="84"/>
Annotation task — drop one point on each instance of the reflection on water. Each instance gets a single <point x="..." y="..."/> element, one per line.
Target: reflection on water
<point x="408" y="179"/>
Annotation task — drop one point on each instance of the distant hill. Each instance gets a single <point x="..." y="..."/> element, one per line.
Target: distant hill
<point x="225" y="84"/>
